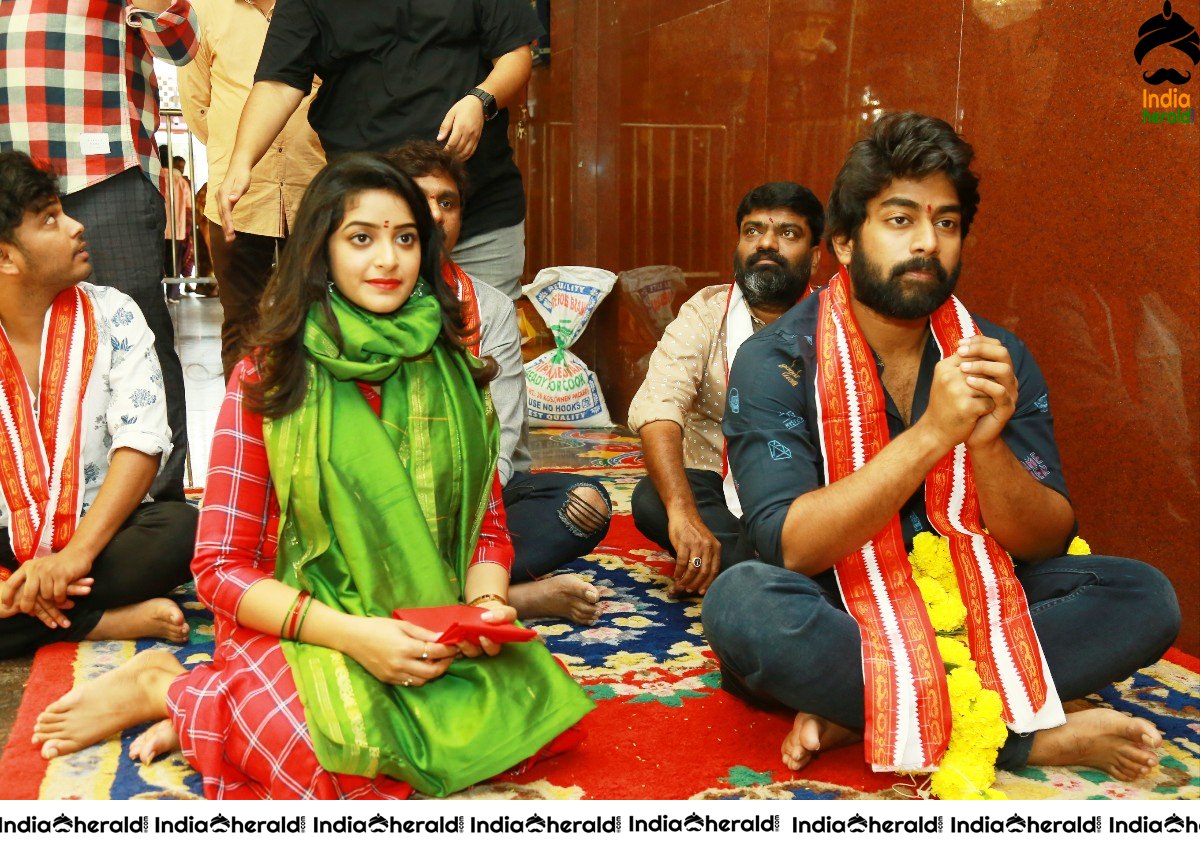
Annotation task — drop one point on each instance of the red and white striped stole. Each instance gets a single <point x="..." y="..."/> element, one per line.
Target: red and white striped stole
<point x="908" y="715"/>
<point x="464" y="288"/>
<point x="40" y="474"/>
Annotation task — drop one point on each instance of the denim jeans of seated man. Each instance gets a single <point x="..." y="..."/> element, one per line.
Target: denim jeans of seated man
<point x="650" y="515"/>
<point x="785" y="639"/>
<point x="545" y="525"/>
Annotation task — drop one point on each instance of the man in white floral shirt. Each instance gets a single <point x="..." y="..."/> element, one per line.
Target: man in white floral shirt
<point x="84" y="552"/>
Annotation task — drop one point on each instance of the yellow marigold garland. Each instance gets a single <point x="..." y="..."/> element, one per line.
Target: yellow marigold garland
<point x="968" y="769"/>
<point x="1079" y="547"/>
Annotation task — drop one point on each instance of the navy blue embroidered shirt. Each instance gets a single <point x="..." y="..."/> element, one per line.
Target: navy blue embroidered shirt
<point x="772" y="434"/>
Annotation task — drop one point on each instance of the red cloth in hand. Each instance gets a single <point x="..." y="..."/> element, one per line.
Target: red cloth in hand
<point x="456" y="623"/>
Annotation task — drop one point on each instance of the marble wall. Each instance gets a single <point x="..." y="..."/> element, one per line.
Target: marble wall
<point x="655" y="117"/>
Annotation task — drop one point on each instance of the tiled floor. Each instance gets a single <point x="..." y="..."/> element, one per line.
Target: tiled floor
<point x="198" y="330"/>
<point x="198" y="339"/>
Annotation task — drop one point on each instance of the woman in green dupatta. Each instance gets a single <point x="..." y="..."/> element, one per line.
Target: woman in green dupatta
<point x="361" y="437"/>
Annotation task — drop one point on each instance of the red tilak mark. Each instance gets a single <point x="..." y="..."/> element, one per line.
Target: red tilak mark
<point x="770" y="220"/>
<point x="387" y="224"/>
<point x="928" y="209"/>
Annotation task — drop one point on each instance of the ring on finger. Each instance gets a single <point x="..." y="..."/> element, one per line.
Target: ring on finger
<point x="697" y="561"/>
<point x="425" y="652"/>
<point x="406" y="682"/>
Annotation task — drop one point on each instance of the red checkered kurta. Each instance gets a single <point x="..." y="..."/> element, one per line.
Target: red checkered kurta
<point x="72" y="68"/>
<point x="240" y="721"/>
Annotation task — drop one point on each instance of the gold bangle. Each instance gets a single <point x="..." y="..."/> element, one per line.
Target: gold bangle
<point x="488" y="597"/>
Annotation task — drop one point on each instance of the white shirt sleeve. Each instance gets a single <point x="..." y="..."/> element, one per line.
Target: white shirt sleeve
<point x="501" y="339"/>
<point x="137" y="409"/>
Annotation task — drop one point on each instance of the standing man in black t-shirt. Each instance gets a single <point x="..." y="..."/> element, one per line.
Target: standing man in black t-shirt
<point x="394" y="70"/>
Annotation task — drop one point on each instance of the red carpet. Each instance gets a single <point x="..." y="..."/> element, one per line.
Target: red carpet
<point x="22" y="767"/>
<point x="663" y="728"/>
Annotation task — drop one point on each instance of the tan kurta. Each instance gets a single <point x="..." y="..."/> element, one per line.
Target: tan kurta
<point x="686" y="379"/>
<point x="213" y="88"/>
<point x="179" y="192"/>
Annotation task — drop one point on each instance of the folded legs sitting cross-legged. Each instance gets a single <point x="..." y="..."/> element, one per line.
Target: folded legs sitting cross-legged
<point x="784" y="638"/>
<point x="554" y="518"/>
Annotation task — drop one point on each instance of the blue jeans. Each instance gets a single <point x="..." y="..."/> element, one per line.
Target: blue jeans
<point x="785" y="639"/>
<point x="543" y="536"/>
<point x="149" y="556"/>
<point x="650" y="515"/>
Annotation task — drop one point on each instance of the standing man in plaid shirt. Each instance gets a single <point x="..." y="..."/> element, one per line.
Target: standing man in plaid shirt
<point x="77" y="91"/>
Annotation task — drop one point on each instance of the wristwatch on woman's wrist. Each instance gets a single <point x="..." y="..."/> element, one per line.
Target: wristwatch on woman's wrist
<point x="489" y="102"/>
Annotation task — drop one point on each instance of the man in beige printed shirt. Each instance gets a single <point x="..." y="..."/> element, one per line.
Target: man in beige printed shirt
<point x="677" y="411"/>
<point x="213" y="89"/>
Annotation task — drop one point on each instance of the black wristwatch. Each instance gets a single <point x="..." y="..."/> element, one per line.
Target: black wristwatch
<point x="489" y="102"/>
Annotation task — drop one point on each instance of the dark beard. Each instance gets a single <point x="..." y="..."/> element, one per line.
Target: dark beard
<point x="771" y="287"/>
<point x="892" y="297"/>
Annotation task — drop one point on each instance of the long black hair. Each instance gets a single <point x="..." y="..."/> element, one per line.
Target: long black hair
<point x="302" y="278"/>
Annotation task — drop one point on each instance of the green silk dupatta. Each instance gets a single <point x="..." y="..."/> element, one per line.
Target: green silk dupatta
<point x="383" y="512"/>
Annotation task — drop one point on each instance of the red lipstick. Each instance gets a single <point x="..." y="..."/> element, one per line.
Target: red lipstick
<point x="385" y="284"/>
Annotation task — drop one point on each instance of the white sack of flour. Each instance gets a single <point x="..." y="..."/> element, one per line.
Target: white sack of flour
<point x="562" y="390"/>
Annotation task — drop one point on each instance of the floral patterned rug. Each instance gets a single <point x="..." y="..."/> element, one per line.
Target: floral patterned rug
<point x="663" y="728"/>
<point x="597" y="447"/>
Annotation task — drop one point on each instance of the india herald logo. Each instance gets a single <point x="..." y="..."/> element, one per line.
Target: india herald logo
<point x="1168" y="29"/>
<point x="1165" y="105"/>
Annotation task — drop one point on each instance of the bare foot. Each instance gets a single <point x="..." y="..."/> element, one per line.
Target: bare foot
<point x="159" y="618"/>
<point x="809" y="735"/>
<point x="132" y="694"/>
<point x="1102" y="739"/>
<point x="558" y="596"/>
<point x="160" y="739"/>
